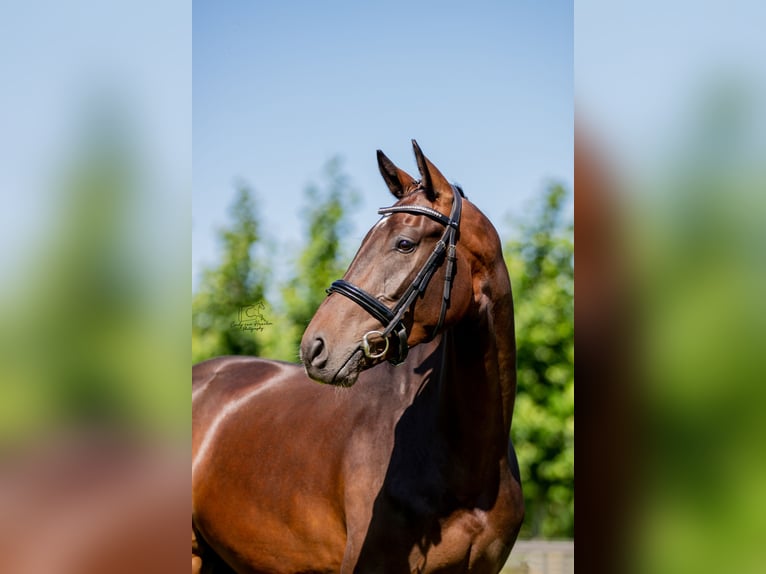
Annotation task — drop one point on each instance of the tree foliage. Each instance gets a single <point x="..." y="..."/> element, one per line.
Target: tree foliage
<point x="238" y="282"/>
<point x="541" y="264"/>
<point x="323" y="259"/>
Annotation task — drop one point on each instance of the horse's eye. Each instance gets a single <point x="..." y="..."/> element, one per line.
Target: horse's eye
<point x="405" y="246"/>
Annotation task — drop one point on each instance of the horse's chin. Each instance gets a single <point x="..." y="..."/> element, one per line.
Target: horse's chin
<point x="344" y="375"/>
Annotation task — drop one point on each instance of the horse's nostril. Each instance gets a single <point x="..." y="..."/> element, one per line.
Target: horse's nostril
<point x="318" y="353"/>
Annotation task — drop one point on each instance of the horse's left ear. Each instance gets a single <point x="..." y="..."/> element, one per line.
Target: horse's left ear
<point x="397" y="180"/>
<point x="433" y="182"/>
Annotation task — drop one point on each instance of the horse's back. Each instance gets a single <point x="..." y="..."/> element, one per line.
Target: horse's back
<point x="235" y="372"/>
<point x="224" y="383"/>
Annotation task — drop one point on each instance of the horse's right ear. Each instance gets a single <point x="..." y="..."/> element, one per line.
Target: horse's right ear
<point x="397" y="180"/>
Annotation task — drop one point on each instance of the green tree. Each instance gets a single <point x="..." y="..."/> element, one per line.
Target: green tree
<point x="541" y="264"/>
<point x="241" y="280"/>
<point x="237" y="283"/>
<point x="322" y="260"/>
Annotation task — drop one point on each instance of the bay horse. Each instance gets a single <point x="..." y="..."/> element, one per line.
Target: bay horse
<point x="401" y="461"/>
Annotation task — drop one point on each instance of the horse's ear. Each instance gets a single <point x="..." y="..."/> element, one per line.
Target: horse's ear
<point x="433" y="182"/>
<point x="397" y="180"/>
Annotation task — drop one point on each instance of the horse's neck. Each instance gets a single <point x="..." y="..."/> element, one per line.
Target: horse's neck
<point x="478" y="383"/>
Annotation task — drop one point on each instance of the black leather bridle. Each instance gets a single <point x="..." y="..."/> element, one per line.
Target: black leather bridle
<point x="392" y="319"/>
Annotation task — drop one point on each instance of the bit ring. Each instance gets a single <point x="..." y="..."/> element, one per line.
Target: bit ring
<point x="368" y="350"/>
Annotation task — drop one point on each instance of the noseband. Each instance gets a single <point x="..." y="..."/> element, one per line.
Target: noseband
<point x="392" y="318"/>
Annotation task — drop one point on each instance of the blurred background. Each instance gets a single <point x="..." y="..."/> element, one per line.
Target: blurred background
<point x="95" y="219"/>
<point x="670" y="183"/>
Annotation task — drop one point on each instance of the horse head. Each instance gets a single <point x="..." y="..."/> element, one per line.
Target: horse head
<point x="416" y="274"/>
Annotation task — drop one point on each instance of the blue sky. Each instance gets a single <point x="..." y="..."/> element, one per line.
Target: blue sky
<point x="279" y="88"/>
<point x="645" y="68"/>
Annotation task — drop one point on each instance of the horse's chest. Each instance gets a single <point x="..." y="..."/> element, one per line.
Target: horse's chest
<point x="463" y="541"/>
<point x="468" y="542"/>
